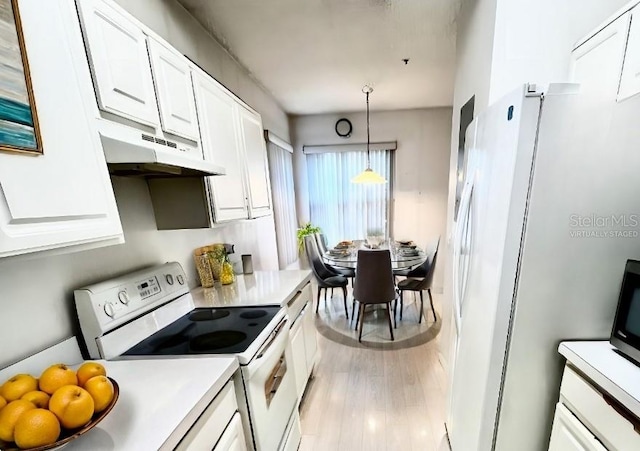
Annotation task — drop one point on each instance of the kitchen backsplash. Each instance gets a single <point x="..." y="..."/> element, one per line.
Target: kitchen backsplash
<point x="36" y="294"/>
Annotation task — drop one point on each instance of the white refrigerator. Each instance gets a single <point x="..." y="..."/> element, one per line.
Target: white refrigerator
<point x="548" y="217"/>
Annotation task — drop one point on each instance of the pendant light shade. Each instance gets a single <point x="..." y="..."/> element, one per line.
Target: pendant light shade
<point x="368" y="176"/>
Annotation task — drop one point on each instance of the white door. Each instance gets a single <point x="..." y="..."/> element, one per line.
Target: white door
<point x="487" y="249"/>
<point x="119" y="61"/>
<point x="172" y="77"/>
<point x="233" y="437"/>
<point x="218" y="118"/>
<point x="569" y="434"/>
<point x="64" y="196"/>
<point x="257" y="166"/>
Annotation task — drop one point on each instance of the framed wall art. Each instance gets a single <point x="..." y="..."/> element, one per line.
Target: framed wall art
<point x="19" y="131"/>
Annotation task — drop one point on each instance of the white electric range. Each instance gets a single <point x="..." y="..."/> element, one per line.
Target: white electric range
<point x="150" y="314"/>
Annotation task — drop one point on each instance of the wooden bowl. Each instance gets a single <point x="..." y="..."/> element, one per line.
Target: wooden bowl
<point x="67" y="435"/>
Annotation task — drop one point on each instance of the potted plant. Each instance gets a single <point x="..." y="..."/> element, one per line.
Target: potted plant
<point x="305" y="230"/>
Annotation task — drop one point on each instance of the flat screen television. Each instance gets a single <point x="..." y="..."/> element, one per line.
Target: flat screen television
<point x="625" y="335"/>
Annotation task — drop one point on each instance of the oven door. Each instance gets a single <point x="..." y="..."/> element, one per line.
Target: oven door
<point x="271" y="389"/>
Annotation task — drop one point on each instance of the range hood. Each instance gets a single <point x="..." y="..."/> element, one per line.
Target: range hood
<point x="131" y="151"/>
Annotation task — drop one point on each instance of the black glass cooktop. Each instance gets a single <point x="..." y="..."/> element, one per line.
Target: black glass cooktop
<point x="208" y="331"/>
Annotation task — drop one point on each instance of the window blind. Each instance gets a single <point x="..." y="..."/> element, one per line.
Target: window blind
<point x="344" y="210"/>
<point x="284" y="205"/>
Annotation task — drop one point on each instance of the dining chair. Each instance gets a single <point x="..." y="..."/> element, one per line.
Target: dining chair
<point x="349" y="273"/>
<point x="373" y="284"/>
<point x="414" y="284"/>
<point x="325" y="277"/>
<point x="422" y="269"/>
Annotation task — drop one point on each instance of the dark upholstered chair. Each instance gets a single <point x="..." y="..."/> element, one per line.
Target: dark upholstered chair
<point x="422" y="269"/>
<point x="413" y="284"/>
<point x="349" y="273"/>
<point x="325" y="277"/>
<point x="374" y="284"/>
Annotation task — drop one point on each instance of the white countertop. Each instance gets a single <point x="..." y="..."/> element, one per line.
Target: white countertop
<point x="159" y="401"/>
<point x="259" y="288"/>
<point x="599" y="361"/>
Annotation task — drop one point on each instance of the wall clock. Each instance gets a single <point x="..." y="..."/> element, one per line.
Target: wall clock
<point x="344" y="127"/>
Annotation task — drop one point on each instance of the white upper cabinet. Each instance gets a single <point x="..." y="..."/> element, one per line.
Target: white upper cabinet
<point x="630" y="81"/>
<point x="172" y="77"/>
<point x="218" y="118"/>
<point x="597" y="63"/>
<point x="120" y="65"/>
<point x="257" y="174"/>
<point x="64" y="196"/>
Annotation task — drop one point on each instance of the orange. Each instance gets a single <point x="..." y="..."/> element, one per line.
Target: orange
<point x="3" y="402"/>
<point x="9" y="417"/>
<point x="88" y="370"/>
<point x="17" y="386"/>
<point x="57" y="376"/>
<point x="38" y="398"/>
<point x="37" y="427"/>
<point x="101" y="390"/>
<point x="72" y="405"/>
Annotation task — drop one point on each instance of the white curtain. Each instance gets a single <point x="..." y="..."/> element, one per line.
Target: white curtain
<point x="345" y="210"/>
<point x="284" y="204"/>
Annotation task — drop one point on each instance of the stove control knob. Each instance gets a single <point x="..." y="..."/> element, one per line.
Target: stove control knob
<point x="123" y="297"/>
<point x="169" y="278"/>
<point x="180" y="279"/>
<point x="108" y="309"/>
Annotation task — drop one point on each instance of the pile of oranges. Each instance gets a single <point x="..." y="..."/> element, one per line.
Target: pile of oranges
<point x="33" y="411"/>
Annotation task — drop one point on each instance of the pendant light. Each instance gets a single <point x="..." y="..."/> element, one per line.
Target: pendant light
<point x="368" y="176"/>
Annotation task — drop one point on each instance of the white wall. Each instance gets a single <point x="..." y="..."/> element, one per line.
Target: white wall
<point x="36" y="294"/>
<point x="421" y="161"/>
<point x="474" y="50"/>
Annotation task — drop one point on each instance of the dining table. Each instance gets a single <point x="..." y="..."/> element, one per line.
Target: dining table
<point x="402" y="255"/>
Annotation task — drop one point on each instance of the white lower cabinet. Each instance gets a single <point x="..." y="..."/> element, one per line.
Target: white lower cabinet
<point x="233" y="437"/>
<point x="219" y="428"/>
<point x="299" y="355"/>
<point x="304" y="345"/>
<point x="62" y="197"/>
<point x="570" y="435"/>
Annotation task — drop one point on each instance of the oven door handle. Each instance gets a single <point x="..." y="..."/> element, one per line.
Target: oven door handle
<point x="265" y="347"/>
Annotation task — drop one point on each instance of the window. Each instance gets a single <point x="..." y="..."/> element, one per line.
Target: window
<point x="284" y="205"/>
<point x="346" y="210"/>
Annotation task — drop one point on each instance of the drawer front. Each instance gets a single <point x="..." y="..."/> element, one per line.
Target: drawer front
<point x="206" y="432"/>
<point x="591" y="408"/>
<point x="233" y="437"/>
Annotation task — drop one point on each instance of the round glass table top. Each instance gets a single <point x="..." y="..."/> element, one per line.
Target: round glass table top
<point x="402" y="256"/>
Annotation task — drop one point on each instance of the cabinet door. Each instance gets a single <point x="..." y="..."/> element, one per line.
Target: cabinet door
<point x="597" y="63"/>
<point x="299" y="358"/>
<point x="310" y="338"/>
<point x="64" y="196"/>
<point x="119" y="60"/>
<point x="233" y="437"/>
<point x="256" y="160"/>
<point x="172" y="77"/>
<point x="569" y="434"/>
<point x="217" y="115"/>
<point x="630" y="81"/>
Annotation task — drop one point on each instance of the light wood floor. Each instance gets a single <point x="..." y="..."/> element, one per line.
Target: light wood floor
<point x="375" y="399"/>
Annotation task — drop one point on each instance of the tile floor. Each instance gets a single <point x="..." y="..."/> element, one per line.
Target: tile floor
<point x="378" y="395"/>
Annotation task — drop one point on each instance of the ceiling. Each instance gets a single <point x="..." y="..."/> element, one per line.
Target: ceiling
<point x="314" y="56"/>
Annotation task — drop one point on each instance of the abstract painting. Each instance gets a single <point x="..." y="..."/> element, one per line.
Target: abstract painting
<point x="18" y="120"/>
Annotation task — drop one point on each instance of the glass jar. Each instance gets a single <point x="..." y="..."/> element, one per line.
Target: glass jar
<point x="216" y="255"/>
<point x="227" y="275"/>
<point x="204" y="270"/>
